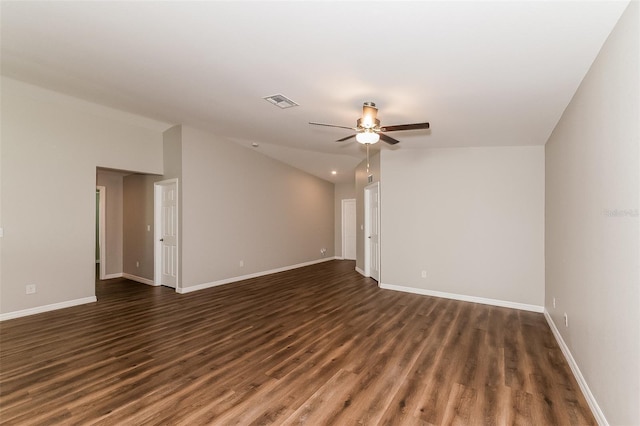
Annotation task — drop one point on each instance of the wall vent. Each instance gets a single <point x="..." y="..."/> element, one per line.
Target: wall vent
<point x="281" y="101"/>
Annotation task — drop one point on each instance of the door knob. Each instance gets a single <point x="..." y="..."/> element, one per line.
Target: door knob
<point x="162" y="239"/>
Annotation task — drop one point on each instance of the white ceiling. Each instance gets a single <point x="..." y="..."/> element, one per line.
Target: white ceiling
<point x="482" y="73"/>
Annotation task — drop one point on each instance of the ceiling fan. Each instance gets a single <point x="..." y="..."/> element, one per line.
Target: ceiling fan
<point x="368" y="129"/>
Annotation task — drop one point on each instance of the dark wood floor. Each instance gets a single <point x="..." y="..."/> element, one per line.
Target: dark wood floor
<point x="317" y="345"/>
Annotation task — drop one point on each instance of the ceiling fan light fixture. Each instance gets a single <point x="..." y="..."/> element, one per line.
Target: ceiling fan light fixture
<point x="368" y="127"/>
<point x="367" y="137"/>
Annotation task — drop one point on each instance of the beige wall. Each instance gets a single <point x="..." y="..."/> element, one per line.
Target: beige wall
<point x="240" y="205"/>
<point x="172" y="150"/>
<point x="342" y="191"/>
<point x="112" y="181"/>
<point x="138" y="225"/>
<point x="592" y="230"/>
<point x="51" y="147"/>
<point x="236" y="204"/>
<point x="472" y="218"/>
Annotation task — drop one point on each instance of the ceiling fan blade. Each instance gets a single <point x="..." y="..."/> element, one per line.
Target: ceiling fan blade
<point x="415" y="126"/>
<point x="347" y="138"/>
<point x="388" y="139"/>
<point x="332" y="125"/>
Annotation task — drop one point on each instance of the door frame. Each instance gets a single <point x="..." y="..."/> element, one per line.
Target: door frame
<point x="374" y="187"/>
<point x="157" y="230"/>
<point x="344" y="244"/>
<point x="102" y="230"/>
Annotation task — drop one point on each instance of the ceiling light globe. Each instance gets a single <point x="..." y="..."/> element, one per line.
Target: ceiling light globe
<point x="367" y="138"/>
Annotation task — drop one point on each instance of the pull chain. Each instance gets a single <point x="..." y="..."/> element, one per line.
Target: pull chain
<point x="367" y="159"/>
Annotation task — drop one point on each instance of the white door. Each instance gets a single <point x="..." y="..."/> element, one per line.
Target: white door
<point x="166" y="233"/>
<point x="349" y="229"/>
<point x="372" y="231"/>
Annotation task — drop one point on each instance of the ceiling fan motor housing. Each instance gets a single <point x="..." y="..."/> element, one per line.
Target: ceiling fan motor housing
<point x="362" y="125"/>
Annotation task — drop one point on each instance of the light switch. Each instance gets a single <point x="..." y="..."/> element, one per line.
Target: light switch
<point x="148" y="228"/>
<point x="1" y="232"/>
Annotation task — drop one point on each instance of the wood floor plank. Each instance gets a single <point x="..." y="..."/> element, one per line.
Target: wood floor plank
<point x="315" y="345"/>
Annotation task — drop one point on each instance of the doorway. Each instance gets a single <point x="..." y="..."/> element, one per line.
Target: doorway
<point x="372" y="231"/>
<point x="349" y="229"/>
<point x="166" y="213"/>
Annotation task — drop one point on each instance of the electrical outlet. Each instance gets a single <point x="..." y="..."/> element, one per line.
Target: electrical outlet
<point x="566" y="320"/>
<point x="424" y="274"/>
<point x="30" y="288"/>
<point x="323" y="251"/>
<point x="554" y="302"/>
<point x="137" y="263"/>
<point x="241" y="263"/>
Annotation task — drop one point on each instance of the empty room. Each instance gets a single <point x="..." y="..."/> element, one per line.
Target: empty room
<point x="292" y="212"/>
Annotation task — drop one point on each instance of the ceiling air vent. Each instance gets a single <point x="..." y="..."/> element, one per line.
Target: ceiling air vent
<point x="281" y="101"/>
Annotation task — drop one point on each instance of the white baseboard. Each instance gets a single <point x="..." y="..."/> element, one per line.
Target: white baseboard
<point x="112" y="276"/>
<point x="591" y="400"/>
<point x="47" y="308"/>
<point x="360" y="271"/>
<point x="464" y="298"/>
<point x="136" y="278"/>
<point x="339" y="258"/>
<point x="203" y="286"/>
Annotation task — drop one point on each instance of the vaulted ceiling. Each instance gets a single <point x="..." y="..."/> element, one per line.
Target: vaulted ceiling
<point x="482" y="73"/>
